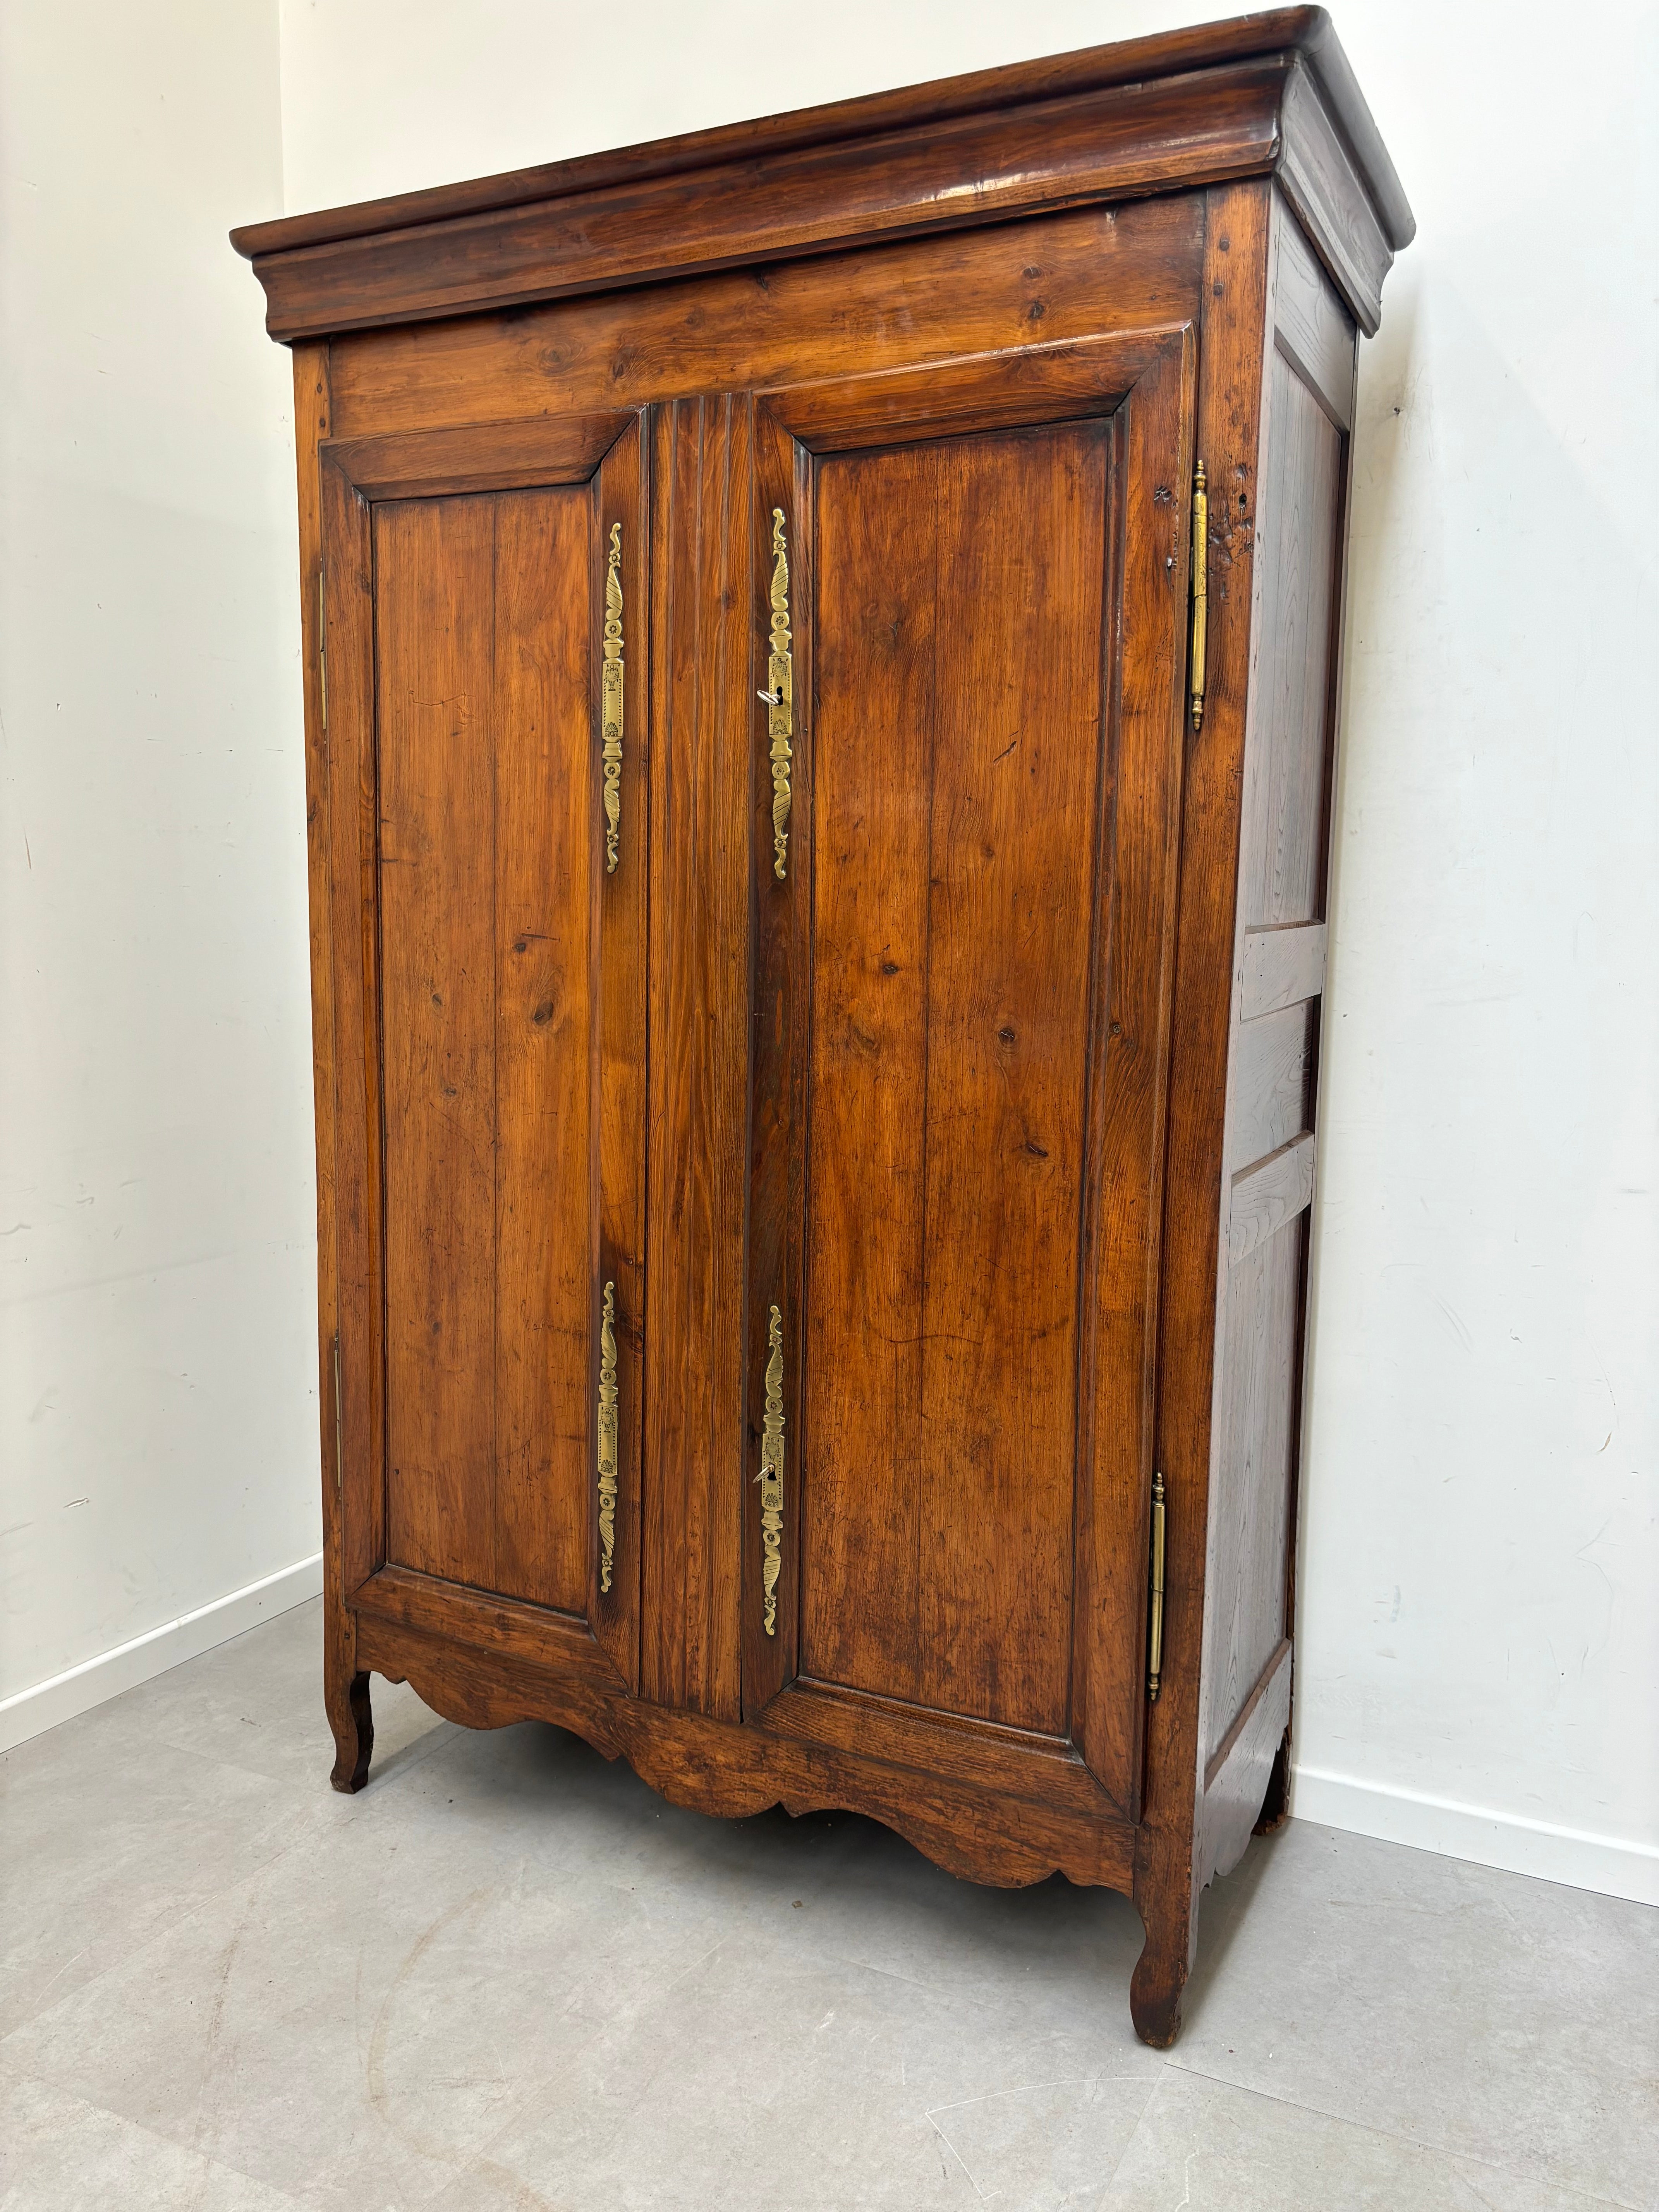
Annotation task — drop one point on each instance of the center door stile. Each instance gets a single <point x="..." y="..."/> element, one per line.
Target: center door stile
<point x="780" y="910"/>
<point x="621" y="1079"/>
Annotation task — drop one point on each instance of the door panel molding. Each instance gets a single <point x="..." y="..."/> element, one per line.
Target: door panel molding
<point x="477" y="457"/>
<point x="1009" y="389"/>
<point x="1145" y="383"/>
<point x="356" y="477"/>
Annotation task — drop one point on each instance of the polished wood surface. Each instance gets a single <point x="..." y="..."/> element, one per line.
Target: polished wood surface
<point x="1267" y="93"/>
<point x="1073" y="276"/>
<point x="488" y="882"/>
<point x="1004" y="1095"/>
<point x="958" y="726"/>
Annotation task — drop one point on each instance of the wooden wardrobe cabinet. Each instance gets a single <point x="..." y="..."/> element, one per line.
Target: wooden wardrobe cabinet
<point x="821" y="645"/>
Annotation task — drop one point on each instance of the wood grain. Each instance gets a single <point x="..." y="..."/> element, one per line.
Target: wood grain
<point x="1004" y="1096"/>
<point x="1236" y="1778"/>
<point x="488" y="883"/>
<point x="1321" y="182"/>
<point x="703" y="648"/>
<point x="722" y="1767"/>
<point x="1184" y="110"/>
<point x="353" y="797"/>
<point x="1067" y="277"/>
<point x="434" y="649"/>
<point x="1292" y="708"/>
<point x="1271" y="1084"/>
<point x="1305" y="31"/>
<point x="1311" y="327"/>
<point x="1269" y="1194"/>
<point x="545" y="1020"/>
<point x="478" y="457"/>
<point x="345" y="1690"/>
<point x="1281" y="967"/>
<point x="620" y="494"/>
<point x="1234" y="342"/>
<point x="1110" y="145"/>
<point x="951" y="1036"/>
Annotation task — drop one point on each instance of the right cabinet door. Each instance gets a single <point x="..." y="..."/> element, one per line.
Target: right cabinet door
<point x="972" y="593"/>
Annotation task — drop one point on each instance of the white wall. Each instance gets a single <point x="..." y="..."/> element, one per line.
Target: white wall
<point x="1479" y="1635"/>
<point x="158" y="1412"/>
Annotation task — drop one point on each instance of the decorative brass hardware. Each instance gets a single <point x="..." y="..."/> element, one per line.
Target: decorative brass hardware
<point x="607" y="1435"/>
<point x="1200" y="589"/>
<point x="770" y="1477"/>
<point x="322" y="640"/>
<point x="1155" y="1659"/>
<point x="780" y="698"/>
<point x="339" y="1422"/>
<point x="610" y="701"/>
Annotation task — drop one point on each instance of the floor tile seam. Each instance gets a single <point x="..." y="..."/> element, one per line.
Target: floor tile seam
<point x="1180" y="2065"/>
<point x="143" y="2127"/>
<point x="1156" y="2083"/>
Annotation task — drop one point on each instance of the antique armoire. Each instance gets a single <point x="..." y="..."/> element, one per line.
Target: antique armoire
<point x="821" y="647"/>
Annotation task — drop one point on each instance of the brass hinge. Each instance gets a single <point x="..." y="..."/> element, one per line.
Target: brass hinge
<point x="339" y="1422"/>
<point x="1155" y="1652"/>
<point x="1201" y="590"/>
<point x="322" y="641"/>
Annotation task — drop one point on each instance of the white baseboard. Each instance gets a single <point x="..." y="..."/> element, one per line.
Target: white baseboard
<point x="30" y="1712"/>
<point x="1574" y="1857"/>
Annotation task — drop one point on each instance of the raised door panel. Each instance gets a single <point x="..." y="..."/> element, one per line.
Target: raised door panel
<point x="501" y="1034"/>
<point x="962" y="985"/>
<point x="948" y="1048"/>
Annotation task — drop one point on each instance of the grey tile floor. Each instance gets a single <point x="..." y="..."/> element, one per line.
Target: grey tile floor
<point x="509" y="1975"/>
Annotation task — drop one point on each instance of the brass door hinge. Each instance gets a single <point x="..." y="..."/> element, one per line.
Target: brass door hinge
<point x="1155" y="1641"/>
<point x="322" y="641"/>
<point x="339" y="1423"/>
<point x="1201" y="590"/>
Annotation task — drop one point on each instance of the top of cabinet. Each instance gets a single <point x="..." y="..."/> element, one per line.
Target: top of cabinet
<point x="1263" y="94"/>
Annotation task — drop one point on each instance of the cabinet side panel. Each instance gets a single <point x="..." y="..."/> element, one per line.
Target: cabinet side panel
<point x="1272" y="1063"/>
<point x="1284" y="856"/>
<point x="1249" y="1503"/>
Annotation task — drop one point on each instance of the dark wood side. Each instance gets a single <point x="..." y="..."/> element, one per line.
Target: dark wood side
<point x="348" y="566"/>
<point x="1277" y="977"/>
<point x="1232" y="345"/>
<point x="345" y="1690"/>
<point x="1182" y="110"/>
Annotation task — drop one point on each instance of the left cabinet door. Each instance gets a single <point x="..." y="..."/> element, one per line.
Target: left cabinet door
<point x="484" y="642"/>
